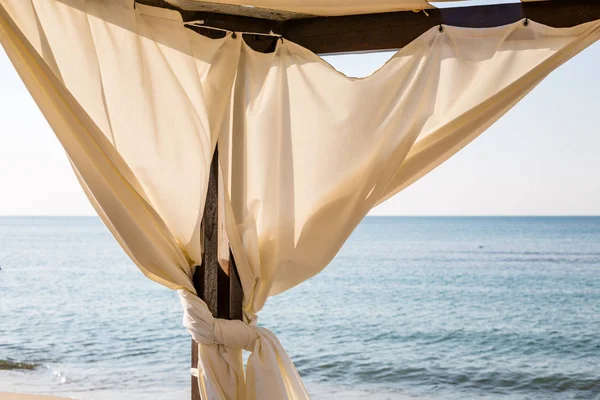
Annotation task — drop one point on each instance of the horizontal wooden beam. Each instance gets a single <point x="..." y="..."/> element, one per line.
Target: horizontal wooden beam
<point x="395" y="30"/>
<point x="386" y="31"/>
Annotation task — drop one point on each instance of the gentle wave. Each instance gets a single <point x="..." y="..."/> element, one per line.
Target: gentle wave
<point x="468" y="379"/>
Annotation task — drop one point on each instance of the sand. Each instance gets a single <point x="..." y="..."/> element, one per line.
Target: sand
<point x="18" y="396"/>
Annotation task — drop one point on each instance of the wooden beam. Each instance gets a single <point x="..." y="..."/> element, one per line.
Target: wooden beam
<point x="386" y="31"/>
<point x="395" y="30"/>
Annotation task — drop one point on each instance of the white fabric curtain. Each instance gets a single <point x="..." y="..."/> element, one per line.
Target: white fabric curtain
<point x="311" y="151"/>
<point x="139" y="103"/>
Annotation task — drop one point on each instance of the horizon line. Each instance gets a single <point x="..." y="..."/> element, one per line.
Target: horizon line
<point x="372" y="216"/>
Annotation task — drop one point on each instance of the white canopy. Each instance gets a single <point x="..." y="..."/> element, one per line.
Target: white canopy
<point x="140" y="102"/>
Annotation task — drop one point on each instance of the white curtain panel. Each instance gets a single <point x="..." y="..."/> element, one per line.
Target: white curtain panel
<point x="139" y="103"/>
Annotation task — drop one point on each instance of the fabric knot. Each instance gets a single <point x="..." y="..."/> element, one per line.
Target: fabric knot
<point x="206" y="329"/>
<point x="235" y="334"/>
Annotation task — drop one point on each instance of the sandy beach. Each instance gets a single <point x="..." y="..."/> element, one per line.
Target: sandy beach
<point x="18" y="396"/>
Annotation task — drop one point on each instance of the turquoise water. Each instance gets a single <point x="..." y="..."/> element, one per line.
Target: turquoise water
<point x="433" y="308"/>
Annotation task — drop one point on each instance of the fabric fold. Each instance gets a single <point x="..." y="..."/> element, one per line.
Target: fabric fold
<point x="310" y="151"/>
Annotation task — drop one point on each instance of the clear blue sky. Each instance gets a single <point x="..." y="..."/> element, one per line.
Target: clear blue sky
<point x="542" y="158"/>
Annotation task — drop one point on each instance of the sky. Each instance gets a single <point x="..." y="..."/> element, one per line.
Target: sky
<point x="541" y="158"/>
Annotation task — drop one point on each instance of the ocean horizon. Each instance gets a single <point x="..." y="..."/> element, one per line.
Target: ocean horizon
<point x="413" y="307"/>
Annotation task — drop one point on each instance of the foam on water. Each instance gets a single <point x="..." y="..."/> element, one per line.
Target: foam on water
<point x="412" y="308"/>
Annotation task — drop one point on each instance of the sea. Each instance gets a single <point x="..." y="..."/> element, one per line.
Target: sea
<point x="411" y="308"/>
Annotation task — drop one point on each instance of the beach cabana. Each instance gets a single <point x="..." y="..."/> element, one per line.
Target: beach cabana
<point x="231" y="162"/>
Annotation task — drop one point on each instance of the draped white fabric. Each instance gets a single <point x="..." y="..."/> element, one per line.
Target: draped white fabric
<point x="139" y="102"/>
<point x="311" y="151"/>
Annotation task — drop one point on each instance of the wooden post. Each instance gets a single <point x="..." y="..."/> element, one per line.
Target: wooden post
<point x="219" y="286"/>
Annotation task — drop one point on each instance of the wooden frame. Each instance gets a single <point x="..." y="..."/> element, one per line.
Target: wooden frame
<point x="385" y="31"/>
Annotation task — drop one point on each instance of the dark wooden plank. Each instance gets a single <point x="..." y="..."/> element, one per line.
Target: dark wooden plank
<point x="385" y="31"/>
<point x="555" y="13"/>
<point x="395" y="30"/>
<point x="206" y="275"/>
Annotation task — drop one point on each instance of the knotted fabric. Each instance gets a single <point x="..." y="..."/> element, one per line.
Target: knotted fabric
<point x="139" y="102"/>
<point x="222" y="339"/>
<point x="206" y="329"/>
